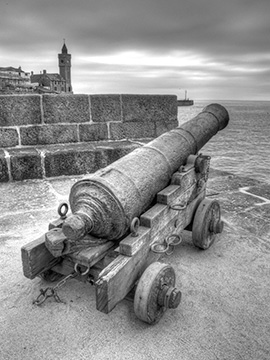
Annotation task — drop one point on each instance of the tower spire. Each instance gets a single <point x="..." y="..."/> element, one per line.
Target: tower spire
<point x="64" y="48"/>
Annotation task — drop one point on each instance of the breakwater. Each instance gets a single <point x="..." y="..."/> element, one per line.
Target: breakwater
<point x="51" y="135"/>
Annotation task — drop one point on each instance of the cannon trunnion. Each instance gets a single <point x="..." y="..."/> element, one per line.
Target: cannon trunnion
<point x="116" y="246"/>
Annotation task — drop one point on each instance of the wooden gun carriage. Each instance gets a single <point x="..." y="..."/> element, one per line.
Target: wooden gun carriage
<point x="114" y="245"/>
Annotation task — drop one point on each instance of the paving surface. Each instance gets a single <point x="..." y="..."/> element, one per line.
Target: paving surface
<point x="225" y="308"/>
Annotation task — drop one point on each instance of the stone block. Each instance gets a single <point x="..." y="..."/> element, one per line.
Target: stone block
<point x="48" y="134"/>
<point x="8" y="137"/>
<point x="3" y="167"/>
<point x="83" y="158"/>
<point x="110" y="152"/>
<point x="146" y="108"/>
<point x="25" y="164"/>
<point x="62" y="159"/>
<point x="164" y="126"/>
<point x="117" y="153"/>
<point x="20" y="110"/>
<point x="93" y="132"/>
<point x="70" y="160"/>
<point x="66" y="108"/>
<point x="105" y="108"/>
<point x="132" y="130"/>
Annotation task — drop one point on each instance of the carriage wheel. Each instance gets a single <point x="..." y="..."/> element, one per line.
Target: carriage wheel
<point x="155" y="293"/>
<point x="206" y="224"/>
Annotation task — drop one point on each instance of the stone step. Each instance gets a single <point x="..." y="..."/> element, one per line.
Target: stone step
<point x="48" y="161"/>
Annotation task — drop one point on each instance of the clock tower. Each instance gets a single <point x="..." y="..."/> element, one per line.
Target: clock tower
<point x="64" y="60"/>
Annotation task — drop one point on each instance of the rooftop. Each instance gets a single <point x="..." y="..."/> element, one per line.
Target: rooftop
<point x="10" y="68"/>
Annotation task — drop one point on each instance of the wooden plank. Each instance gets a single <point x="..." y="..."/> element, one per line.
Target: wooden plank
<point x="169" y="195"/>
<point x="181" y="182"/>
<point x="118" y="278"/>
<point x="91" y="255"/>
<point x="131" y="244"/>
<point x="108" y="258"/>
<point x="36" y="258"/>
<point x="160" y="215"/>
<point x="66" y="267"/>
<point x="153" y="215"/>
<point x="56" y="242"/>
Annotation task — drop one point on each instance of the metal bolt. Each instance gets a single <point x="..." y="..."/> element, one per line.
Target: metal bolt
<point x="169" y="297"/>
<point x="174" y="298"/>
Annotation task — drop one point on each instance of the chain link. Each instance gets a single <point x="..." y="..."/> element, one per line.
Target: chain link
<point x="52" y="291"/>
<point x="178" y="207"/>
<point x="167" y="246"/>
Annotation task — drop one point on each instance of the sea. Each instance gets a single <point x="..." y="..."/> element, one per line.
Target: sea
<point x="243" y="147"/>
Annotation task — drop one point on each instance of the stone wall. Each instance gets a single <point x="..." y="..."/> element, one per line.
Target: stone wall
<point x="53" y="119"/>
<point x="53" y="135"/>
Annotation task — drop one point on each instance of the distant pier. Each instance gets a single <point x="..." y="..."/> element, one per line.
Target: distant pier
<point x="185" y="102"/>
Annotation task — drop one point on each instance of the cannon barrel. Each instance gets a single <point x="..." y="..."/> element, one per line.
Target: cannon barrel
<point x="104" y="203"/>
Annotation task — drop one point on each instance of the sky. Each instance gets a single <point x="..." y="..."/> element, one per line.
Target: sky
<point x="213" y="49"/>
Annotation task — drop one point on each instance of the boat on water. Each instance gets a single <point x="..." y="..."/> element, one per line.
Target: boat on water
<point x="185" y="102"/>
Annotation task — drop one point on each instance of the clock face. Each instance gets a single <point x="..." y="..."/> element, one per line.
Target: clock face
<point x="65" y="61"/>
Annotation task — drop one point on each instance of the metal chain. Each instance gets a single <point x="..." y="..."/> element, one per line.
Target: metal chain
<point x="167" y="247"/>
<point x="52" y="291"/>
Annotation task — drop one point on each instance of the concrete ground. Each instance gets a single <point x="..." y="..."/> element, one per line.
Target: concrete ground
<point x="225" y="308"/>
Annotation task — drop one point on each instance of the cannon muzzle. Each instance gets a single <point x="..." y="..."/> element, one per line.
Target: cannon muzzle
<point x="104" y="203"/>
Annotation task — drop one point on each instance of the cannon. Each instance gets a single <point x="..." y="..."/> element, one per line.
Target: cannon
<point x="127" y="215"/>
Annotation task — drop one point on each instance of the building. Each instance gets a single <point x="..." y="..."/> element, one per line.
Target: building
<point x="56" y="83"/>
<point x="14" y="79"/>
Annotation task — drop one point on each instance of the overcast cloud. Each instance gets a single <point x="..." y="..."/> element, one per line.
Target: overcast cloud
<point x="215" y="49"/>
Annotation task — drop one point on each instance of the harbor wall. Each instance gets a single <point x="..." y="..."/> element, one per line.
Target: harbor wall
<point x="52" y="135"/>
